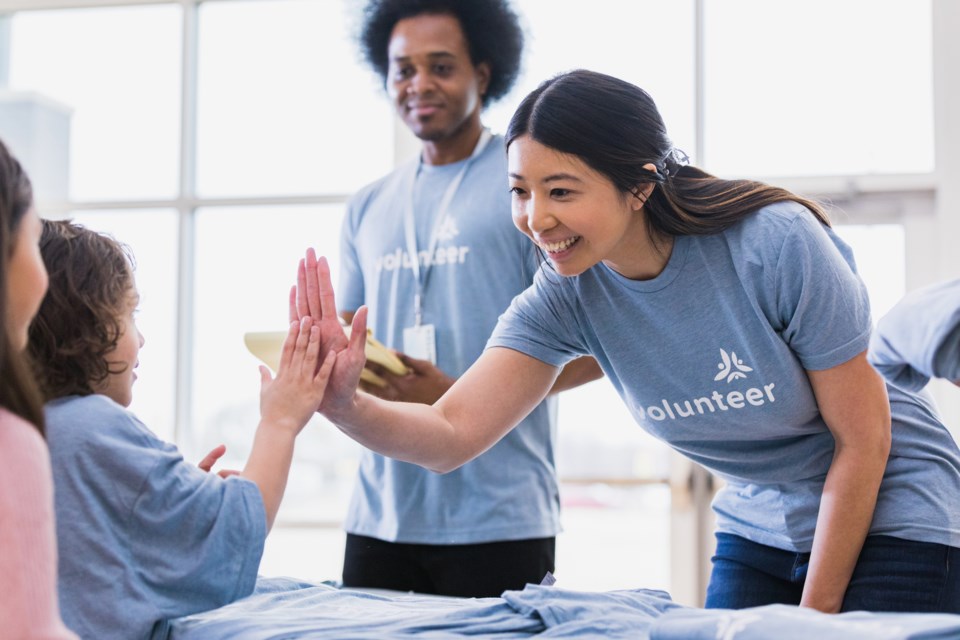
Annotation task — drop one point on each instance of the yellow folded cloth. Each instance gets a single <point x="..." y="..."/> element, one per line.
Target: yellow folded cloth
<point x="267" y="345"/>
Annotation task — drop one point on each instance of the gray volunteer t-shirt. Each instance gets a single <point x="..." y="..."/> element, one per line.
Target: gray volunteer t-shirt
<point x="479" y="264"/>
<point x="143" y="535"/>
<point x="710" y="356"/>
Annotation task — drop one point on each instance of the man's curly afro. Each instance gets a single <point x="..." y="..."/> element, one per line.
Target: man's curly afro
<point x="491" y="28"/>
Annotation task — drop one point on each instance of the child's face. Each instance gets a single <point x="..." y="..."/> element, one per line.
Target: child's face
<point x="124" y="358"/>
<point x="26" y="279"/>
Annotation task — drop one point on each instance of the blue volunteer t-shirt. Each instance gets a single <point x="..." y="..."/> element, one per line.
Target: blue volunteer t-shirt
<point x="919" y="338"/>
<point x="711" y="357"/>
<point x="479" y="264"/>
<point x="143" y="535"/>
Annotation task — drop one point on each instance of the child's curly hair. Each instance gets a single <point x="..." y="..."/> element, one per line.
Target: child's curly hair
<point x="91" y="284"/>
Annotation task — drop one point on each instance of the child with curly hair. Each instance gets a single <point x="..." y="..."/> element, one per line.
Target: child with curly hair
<point x="143" y="535"/>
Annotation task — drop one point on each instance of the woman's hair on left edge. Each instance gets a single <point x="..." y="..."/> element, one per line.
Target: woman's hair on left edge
<point x="18" y="389"/>
<point x="615" y="128"/>
<point x="91" y="286"/>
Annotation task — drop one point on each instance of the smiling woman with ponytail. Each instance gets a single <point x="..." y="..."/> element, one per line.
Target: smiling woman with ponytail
<point x="840" y="493"/>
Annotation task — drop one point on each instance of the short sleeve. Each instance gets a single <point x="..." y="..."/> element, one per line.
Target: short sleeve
<point x="919" y="338"/>
<point x="141" y="528"/>
<point x="822" y="303"/>
<point x="198" y="536"/>
<point x="540" y="322"/>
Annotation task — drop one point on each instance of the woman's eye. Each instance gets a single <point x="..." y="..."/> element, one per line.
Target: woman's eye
<point x="559" y="193"/>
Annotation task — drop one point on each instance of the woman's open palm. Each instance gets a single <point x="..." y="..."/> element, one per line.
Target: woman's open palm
<point x="313" y="296"/>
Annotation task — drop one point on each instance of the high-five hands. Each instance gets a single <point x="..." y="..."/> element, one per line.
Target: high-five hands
<point x="313" y="297"/>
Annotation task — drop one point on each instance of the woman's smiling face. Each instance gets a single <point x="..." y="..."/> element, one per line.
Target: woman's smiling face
<point x="573" y="213"/>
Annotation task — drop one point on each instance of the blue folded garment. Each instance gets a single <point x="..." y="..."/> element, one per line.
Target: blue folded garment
<point x="286" y="608"/>
<point x="785" y="622"/>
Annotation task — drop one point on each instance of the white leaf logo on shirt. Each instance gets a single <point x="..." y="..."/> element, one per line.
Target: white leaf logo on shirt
<point x="448" y="230"/>
<point x="731" y="367"/>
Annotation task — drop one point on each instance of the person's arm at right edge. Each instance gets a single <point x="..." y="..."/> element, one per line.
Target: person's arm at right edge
<point x="919" y="338"/>
<point x="286" y="404"/>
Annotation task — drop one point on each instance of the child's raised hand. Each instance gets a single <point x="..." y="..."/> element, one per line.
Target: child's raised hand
<point x="294" y="395"/>
<point x="286" y="404"/>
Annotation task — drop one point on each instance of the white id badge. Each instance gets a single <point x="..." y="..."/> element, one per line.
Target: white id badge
<point x="421" y="342"/>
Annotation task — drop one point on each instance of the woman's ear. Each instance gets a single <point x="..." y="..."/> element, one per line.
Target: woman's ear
<point x="643" y="191"/>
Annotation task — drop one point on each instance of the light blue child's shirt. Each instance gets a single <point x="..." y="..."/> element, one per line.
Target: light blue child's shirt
<point x="143" y="536"/>
<point x="919" y="338"/>
<point x="479" y="264"/>
<point x="711" y="357"/>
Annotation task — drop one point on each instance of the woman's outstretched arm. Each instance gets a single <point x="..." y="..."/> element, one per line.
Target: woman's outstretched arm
<point x="491" y="398"/>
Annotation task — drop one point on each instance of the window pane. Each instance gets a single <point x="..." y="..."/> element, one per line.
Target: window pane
<point x="152" y="237"/>
<point x="110" y="81"/>
<point x="246" y="261"/>
<point x="615" y="537"/>
<point x="818" y="87"/>
<point x="880" y="253"/>
<point x="284" y="105"/>
<point x="313" y="554"/>
<point x="598" y="438"/>
<point x="645" y="42"/>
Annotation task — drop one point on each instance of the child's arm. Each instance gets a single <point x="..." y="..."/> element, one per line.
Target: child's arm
<point x="286" y="404"/>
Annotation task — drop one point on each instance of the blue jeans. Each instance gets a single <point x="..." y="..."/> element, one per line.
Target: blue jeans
<point x="891" y="575"/>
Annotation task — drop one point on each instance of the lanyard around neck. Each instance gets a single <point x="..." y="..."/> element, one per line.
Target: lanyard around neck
<point x="421" y="274"/>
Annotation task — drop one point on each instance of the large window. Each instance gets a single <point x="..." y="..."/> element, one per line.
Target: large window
<point x="818" y="87"/>
<point x="116" y="73"/>
<point x="219" y="138"/>
<point x="286" y="109"/>
<point x="649" y="43"/>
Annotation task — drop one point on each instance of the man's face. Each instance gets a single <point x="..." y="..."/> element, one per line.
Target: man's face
<point x="434" y="85"/>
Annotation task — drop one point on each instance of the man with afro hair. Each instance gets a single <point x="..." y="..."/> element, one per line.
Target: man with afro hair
<point x="432" y="251"/>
